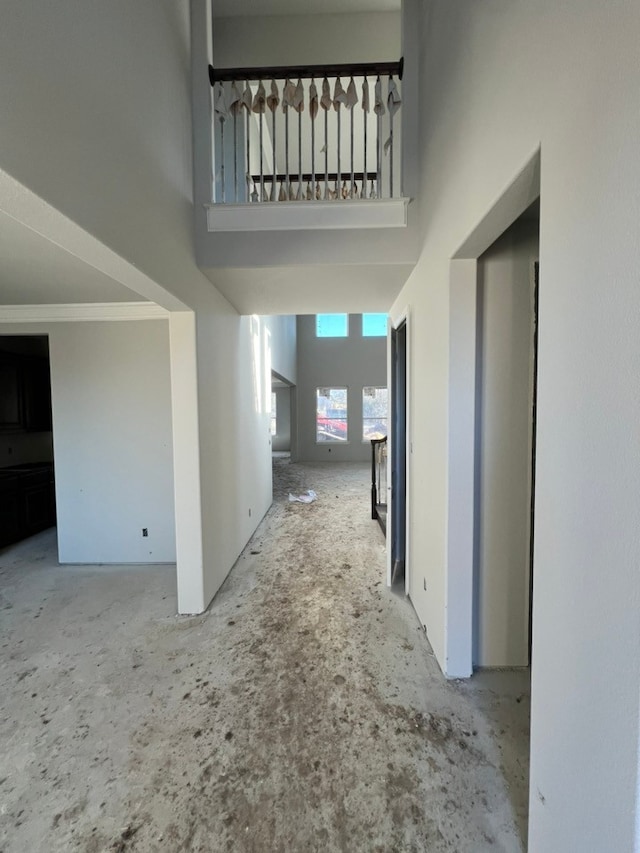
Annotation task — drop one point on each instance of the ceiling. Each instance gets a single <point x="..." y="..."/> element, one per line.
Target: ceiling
<point x="532" y="213"/>
<point x="244" y="8"/>
<point x="276" y="382"/>
<point x="34" y="271"/>
<point x="311" y="289"/>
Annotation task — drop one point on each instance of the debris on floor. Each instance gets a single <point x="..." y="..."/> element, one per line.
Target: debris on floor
<point x="308" y="497"/>
<point x="303" y="713"/>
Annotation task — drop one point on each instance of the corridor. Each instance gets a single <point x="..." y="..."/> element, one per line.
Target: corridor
<point x="303" y="712"/>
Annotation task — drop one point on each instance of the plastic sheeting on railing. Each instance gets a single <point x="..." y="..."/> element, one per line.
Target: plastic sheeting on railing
<point x="279" y="157"/>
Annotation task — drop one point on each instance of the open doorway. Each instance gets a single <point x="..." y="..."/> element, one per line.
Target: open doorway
<point x="398" y="516"/>
<point x="27" y="489"/>
<point x="282" y="426"/>
<point x="506" y="381"/>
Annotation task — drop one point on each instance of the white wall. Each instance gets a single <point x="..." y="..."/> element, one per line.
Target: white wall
<point x="281" y="331"/>
<point x="111" y="402"/>
<point x="498" y="80"/>
<point x="282" y="439"/>
<point x="306" y="39"/>
<point x="111" y="181"/>
<point x="110" y="83"/>
<point x="505" y="354"/>
<point x="353" y="362"/>
<point x="234" y="438"/>
<point x="238" y="475"/>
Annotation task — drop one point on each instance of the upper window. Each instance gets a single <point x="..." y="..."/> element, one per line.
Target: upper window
<point x="331" y="414"/>
<point x="374" y="325"/>
<point x="332" y="325"/>
<point x="374" y="413"/>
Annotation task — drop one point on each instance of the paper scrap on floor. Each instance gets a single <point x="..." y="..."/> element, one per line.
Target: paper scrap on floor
<point x="307" y="498"/>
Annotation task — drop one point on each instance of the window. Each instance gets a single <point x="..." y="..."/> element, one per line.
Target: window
<point x="332" y="325"/>
<point x="331" y="414"/>
<point x="374" y="325"/>
<point x="374" y="413"/>
<point x="274" y="427"/>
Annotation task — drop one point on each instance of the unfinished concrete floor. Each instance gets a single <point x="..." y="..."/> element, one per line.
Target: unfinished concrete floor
<point x="303" y="712"/>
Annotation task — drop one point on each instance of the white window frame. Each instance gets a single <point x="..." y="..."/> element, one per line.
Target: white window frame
<point x="337" y="440"/>
<point x="332" y="337"/>
<point x="373" y="313"/>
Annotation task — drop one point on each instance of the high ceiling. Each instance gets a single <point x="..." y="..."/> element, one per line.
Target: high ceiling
<point x="243" y="8"/>
<point x="34" y="270"/>
<point x="311" y="289"/>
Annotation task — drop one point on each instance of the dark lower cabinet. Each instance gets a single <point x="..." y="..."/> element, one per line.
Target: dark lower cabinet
<point x="27" y="501"/>
<point x="36" y="509"/>
<point x="10" y="511"/>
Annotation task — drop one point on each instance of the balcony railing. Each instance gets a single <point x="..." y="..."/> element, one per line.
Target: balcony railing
<point x="307" y="133"/>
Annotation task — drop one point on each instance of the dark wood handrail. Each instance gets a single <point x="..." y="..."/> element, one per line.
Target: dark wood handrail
<point x="307" y="72"/>
<point x="320" y="176"/>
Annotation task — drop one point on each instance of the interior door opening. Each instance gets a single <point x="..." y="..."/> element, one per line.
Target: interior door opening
<point x="283" y="426"/>
<point x="398" y="455"/>
<point x="506" y="386"/>
<point x="27" y="488"/>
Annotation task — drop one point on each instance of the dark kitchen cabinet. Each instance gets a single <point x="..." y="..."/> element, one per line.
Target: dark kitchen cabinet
<point x="11" y="393"/>
<point x="25" y="393"/>
<point x="10" y="509"/>
<point x="27" y="501"/>
<point x="36" y="389"/>
<point x="35" y="499"/>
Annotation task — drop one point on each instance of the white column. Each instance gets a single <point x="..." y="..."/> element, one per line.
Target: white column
<point x="186" y="461"/>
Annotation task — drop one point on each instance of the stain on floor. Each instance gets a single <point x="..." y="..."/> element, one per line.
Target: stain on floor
<point x="303" y="712"/>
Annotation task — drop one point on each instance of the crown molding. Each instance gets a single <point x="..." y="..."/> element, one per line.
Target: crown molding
<point x="82" y="311"/>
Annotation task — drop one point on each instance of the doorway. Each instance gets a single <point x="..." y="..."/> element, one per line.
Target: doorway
<point x="27" y="489"/>
<point x="398" y="518"/>
<point x="282" y="425"/>
<point x="506" y="380"/>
